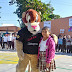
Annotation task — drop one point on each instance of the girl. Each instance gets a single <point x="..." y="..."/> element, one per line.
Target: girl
<point x="46" y="51"/>
<point x="60" y="41"/>
<point x="68" y="43"/>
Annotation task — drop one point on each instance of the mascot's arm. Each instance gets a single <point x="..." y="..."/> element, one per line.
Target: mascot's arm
<point x="19" y="48"/>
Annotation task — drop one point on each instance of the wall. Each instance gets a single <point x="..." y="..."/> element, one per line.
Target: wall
<point x="9" y="28"/>
<point x="57" y="24"/>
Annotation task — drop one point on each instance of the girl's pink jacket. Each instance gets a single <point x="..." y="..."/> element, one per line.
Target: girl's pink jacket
<point x="50" y="51"/>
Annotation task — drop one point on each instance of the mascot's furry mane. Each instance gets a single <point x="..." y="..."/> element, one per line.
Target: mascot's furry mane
<point x="31" y="19"/>
<point x="33" y="16"/>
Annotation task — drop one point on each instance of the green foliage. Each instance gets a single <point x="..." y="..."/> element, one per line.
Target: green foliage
<point x="53" y="16"/>
<point x="0" y="12"/>
<point x="23" y="5"/>
<point x="22" y="25"/>
<point x="0" y="7"/>
<point x="57" y="16"/>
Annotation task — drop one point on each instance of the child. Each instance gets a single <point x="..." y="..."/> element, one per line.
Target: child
<point x="71" y="45"/>
<point x="55" y="38"/>
<point x="68" y="43"/>
<point x="60" y="41"/>
<point x="64" y="44"/>
<point x="46" y="51"/>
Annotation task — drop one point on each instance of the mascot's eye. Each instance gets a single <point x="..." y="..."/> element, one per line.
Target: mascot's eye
<point x="29" y="21"/>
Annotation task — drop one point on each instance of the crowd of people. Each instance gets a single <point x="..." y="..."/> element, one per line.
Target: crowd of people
<point x="7" y="41"/>
<point x="64" y="44"/>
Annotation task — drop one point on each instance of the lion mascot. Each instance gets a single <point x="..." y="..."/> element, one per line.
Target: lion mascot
<point x="27" y="41"/>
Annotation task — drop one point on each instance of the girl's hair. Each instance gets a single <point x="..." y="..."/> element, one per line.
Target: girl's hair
<point x="46" y="28"/>
<point x="55" y="38"/>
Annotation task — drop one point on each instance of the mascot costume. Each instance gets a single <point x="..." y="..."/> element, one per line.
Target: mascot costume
<point x="27" y="41"/>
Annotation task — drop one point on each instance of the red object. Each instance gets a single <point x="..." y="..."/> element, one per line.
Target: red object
<point x="34" y="26"/>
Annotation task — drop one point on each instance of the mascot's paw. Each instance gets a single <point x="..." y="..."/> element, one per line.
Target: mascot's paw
<point x="21" y="55"/>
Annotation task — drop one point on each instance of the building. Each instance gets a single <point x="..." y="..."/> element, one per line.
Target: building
<point x="9" y="29"/>
<point x="62" y="26"/>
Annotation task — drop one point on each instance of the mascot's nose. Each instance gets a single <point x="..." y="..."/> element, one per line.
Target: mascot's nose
<point x="34" y="27"/>
<point x="34" y="30"/>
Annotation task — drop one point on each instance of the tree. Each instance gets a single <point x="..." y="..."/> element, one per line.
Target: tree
<point x="0" y="12"/>
<point x="57" y="17"/>
<point x="23" y="5"/>
<point x="53" y="16"/>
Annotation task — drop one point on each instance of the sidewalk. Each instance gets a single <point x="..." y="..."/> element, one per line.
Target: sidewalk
<point x="8" y="60"/>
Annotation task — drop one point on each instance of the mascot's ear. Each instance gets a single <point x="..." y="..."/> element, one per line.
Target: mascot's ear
<point x="39" y="13"/>
<point x="23" y="14"/>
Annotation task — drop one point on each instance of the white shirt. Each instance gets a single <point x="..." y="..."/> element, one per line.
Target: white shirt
<point x="5" y="38"/>
<point x="9" y="38"/>
<point x="42" y="45"/>
<point x="13" y="38"/>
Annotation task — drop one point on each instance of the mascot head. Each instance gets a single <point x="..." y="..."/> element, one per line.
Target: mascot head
<point x="31" y="19"/>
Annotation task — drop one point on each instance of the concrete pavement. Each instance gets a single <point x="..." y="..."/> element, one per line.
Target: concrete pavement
<point x="9" y="59"/>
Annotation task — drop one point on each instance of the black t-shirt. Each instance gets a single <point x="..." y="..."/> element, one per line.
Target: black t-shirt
<point x="30" y="41"/>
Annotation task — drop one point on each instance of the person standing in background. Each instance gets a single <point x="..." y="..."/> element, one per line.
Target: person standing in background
<point x="64" y="44"/>
<point x="5" y="41"/>
<point x="13" y="39"/>
<point x="60" y="43"/>
<point x="0" y="40"/>
<point x="68" y="43"/>
<point x="71" y="45"/>
<point x="9" y="41"/>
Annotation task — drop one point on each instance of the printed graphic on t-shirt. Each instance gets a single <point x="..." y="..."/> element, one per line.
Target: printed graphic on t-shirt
<point x="32" y="43"/>
<point x="31" y="38"/>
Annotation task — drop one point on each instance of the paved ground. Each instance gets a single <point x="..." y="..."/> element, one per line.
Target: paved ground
<point x="9" y="59"/>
